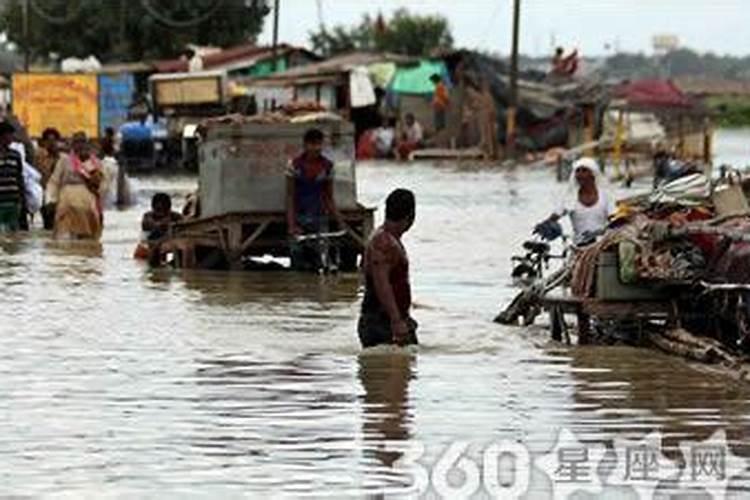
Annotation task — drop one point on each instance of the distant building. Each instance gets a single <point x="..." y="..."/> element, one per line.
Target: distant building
<point x="665" y="43"/>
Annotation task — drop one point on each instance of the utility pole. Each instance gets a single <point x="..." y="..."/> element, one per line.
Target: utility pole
<point x="510" y="127"/>
<point x="275" y="35"/>
<point x="26" y="36"/>
<point x="123" y="35"/>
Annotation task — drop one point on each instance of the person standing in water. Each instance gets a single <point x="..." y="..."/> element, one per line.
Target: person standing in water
<point x="310" y="202"/>
<point x="76" y="187"/>
<point x="587" y="203"/>
<point x="11" y="181"/>
<point x="385" y="315"/>
<point x="46" y="157"/>
<point x="440" y="102"/>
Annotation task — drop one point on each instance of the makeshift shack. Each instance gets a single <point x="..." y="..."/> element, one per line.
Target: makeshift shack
<point x="410" y="90"/>
<point x="684" y="125"/>
<point x="550" y="114"/>
<point x="352" y="85"/>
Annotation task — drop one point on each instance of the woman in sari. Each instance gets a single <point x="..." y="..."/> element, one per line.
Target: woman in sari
<point x="76" y="187"/>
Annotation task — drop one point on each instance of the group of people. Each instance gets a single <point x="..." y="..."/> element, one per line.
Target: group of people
<point x="385" y="314"/>
<point x="397" y="138"/>
<point x="66" y="184"/>
<point x="392" y="140"/>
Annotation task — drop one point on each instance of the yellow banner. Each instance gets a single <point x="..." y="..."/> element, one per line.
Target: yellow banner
<point x="68" y="103"/>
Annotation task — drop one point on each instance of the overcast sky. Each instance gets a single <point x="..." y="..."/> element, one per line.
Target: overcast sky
<point x="721" y="26"/>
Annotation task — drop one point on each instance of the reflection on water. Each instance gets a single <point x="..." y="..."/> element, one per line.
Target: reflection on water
<point x="117" y="380"/>
<point x="733" y="148"/>
<point x="267" y="287"/>
<point x="385" y="378"/>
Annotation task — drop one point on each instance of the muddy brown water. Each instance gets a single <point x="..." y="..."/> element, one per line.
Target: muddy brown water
<point x="120" y="381"/>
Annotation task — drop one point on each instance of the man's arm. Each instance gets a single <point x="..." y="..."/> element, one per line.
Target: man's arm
<point x="149" y="223"/>
<point x="329" y="202"/>
<point x="291" y="210"/>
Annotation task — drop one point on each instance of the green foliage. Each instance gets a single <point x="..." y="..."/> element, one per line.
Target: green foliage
<point x="405" y="33"/>
<point x="131" y="30"/>
<point x="732" y="111"/>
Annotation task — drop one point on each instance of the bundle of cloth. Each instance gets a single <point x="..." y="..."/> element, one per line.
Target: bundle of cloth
<point x="34" y="193"/>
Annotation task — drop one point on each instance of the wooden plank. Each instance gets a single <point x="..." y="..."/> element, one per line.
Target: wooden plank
<point x="251" y="239"/>
<point x="209" y="223"/>
<point x="446" y="154"/>
<point x="198" y="241"/>
<point x="627" y="309"/>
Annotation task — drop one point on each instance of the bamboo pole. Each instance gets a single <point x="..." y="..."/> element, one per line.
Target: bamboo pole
<point x="510" y="128"/>
<point x="619" y="139"/>
<point x="274" y="63"/>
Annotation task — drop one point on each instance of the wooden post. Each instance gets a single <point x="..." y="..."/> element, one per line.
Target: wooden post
<point x="234" y="245"/>
<point x="708" y="145"/>
<point x="26" y="36"/>
<point x="274" y="63"/>
<point x="121" y="179"/>
<point x="619" y="139"/>
<point x="186" y="254"/>
<point x="584" y="328"/>
<point x="681" y="137"/>
<point x="588" y="131"/>
<point x="510" y="126"/>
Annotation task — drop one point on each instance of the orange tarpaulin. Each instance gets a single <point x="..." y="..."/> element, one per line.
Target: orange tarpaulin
<point x="69" y="103"/>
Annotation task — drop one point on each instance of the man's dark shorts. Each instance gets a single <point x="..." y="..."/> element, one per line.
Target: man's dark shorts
<point x="375" y="329"/>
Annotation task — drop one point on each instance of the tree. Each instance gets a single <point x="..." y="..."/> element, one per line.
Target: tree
<point x="678" y="63"/>
<point x="404" y="33"/>
<point x="130" y="30"/>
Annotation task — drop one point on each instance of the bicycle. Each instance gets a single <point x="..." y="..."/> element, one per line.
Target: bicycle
<point x="327" y="251"/>
<point x="531" y="266"/>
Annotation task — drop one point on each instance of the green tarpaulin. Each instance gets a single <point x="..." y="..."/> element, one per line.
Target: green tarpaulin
<point x="416" y="79"/>
<point x="263" y="68"/>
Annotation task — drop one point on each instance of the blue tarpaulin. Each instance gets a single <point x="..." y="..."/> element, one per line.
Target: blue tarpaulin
<point x="115" y="95"/>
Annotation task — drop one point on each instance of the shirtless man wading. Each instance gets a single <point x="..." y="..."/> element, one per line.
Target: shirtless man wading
<point x="385" y="308"/>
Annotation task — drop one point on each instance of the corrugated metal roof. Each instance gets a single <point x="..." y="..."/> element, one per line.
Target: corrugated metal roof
<point x="135" y="67"/>
<point x="230" y="57"/>
<point x="341" y="64"/>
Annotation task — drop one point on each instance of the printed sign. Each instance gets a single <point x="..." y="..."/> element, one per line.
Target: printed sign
<point x="68" y="103"/>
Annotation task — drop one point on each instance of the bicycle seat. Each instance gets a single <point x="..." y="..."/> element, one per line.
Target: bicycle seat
<point x="536" y="247"/>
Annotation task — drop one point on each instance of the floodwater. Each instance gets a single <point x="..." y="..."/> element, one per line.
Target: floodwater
<point x="733" y="147"/>
<point x="119" y="381"/>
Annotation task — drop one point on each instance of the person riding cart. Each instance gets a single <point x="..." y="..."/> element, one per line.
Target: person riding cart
<point x="310" y="204"/>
